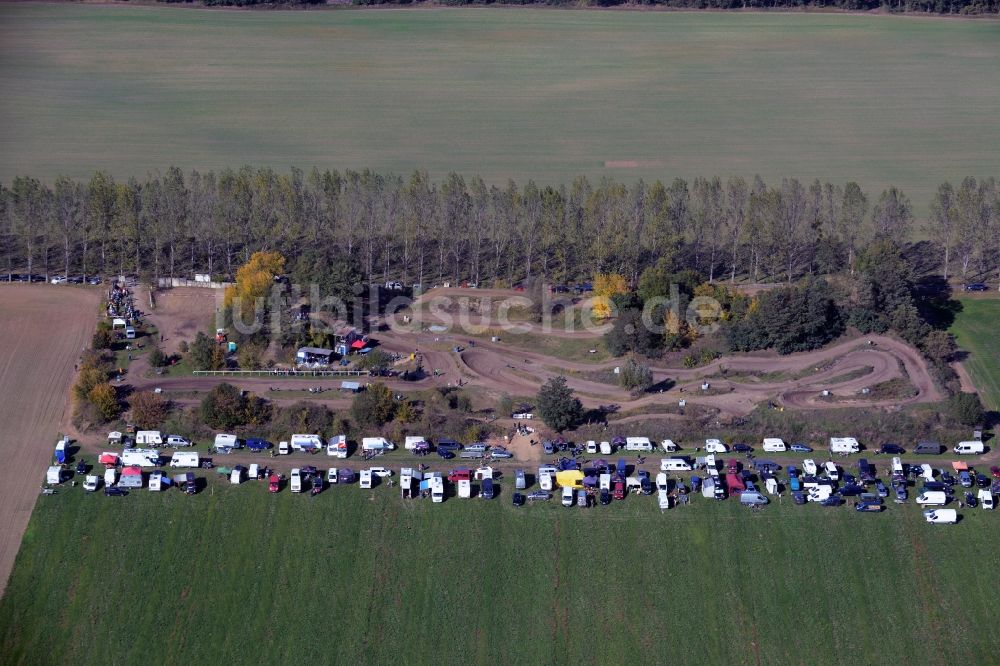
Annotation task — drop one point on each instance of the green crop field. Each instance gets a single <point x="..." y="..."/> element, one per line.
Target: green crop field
<point x="543" y="94"/>
<point x="975" y="329"/>
<point x="234" y="575"/>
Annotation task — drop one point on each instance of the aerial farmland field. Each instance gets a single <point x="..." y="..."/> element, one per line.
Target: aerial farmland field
<point x="539" y="94"/>
<point x="975" y="331"/>
<point x="234" y="574"/>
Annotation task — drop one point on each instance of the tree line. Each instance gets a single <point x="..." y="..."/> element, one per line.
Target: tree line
<point x="378" y="227"/>
<point x="921" y="6"/>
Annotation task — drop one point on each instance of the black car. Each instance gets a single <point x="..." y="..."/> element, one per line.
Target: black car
<point x="799" y="497"/>
<point x="892" y="449"/>
<point x="605" y="498"/>
<point x="971" y="501"/>
<point x="946" y="477"/>
<point x="445" y="453"/>
<point x="81" y="467"/>
<point x="982" y="481"/>
<point x="851" y="489"/>
<point x="645" y="487"/>
<point x="448" y="445"/>
<point x="114" y="491"/>
<point x="518" y="499"/>
<point x="742" y="448"/>
<point x="976" y="286"/>
<point x="832" y="500"/>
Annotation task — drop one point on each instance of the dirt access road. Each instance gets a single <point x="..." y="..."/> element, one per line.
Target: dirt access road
<point x="44" y="328"/>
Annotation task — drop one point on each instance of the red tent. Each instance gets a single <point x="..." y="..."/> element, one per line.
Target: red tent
<point x="358" y="344"/>
<point x="109" y="459"/>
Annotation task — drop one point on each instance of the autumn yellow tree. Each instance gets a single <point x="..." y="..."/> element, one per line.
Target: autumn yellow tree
<point x="254" y="279"/>
<point x="607" y="285"/>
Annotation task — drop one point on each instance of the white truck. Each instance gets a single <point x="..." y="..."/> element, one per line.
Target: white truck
<point x="141" y="457"/>
<point x="674" y="465"/>
<point x="185" y="459"/>
<point x="148" y="438"/>
<point x="844" y="445"/>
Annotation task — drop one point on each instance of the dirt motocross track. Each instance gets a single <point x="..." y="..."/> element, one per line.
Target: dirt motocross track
<point x="43" y="329"/>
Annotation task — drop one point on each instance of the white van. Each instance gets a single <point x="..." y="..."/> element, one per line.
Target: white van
<point x="226" y="441"/>
<point x="365" y="479"/>
<point x="336" y="447"/>
<point x="295" y="480"/>
<point x="774" y="445"/>
<point x="969" y="448"/>
<point x="185" y="459"/>
<point x="283" y="449"/>
<point x="668" y="446"/>
<point x="674" y="465"/>
<point x="831" y="471"/>
<point x="927" y="472"/>
<point x="933" y="498"/>
<point x="568" y="496"/>
<point x="375" y="444"/>
<point x="844" y="445"/>
<point x="591" y="447"/>
<point x="149" y="437"/>
<point x="638" y="444"/>
<point x="819" y="493"/>
<point x="715" y="446"/>
<point x="605" y="448"/>
<point x="897" y="466"/>
<point x="307" y="443"/>
<point x="141" y="457"/>
<point x="177" y="440"/>
<point x="986" y="499"/>
<point x="604" y="482"/>
<point x="941" y="516"/>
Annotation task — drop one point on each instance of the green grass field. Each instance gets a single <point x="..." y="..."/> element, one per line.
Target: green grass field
<point x="520" y="94"/>
<point x="236" y="576"/>
<point x="975" y="329"/>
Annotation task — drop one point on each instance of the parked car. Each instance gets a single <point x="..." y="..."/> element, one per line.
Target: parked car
<point x="976" y="286"/>
<point x="581" y="499"/>
<point x="115" y="491"/>
<point x="381" y="472"/>
<point x="605" y="497"/>
<point x="567" y="496"/>
<point x="965" y="479"/>
<point x="982" y="481"/>
<point x="548" y="447"/>
<point x="868" y="507"/>
<point x="445" y="453"/>
<point x="881" y="489"/>
<point x="518" y="499"/>
<point x="448" y="445"/>
<point x="832" y="500"/>
<point x="742" y="448"/>
<point x="91" y="482"/>
<point x="800" y="448"/>
<point x="891" y="449"/>
<point x="273" y="483"/>
<point x="501" y="453"/>
<point x="256" y="444"/>
<point x="177" y="440"/>
<point x="539" y="496"/>
<point x="619" y="490"/>
<point x="486" y="489"/>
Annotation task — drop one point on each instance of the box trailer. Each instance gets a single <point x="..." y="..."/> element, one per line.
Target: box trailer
<point x="148" y="438"/>
<point x="110" y="476"/>
<point x="131" y="477"/>
<point x="225" y="440"/>
<point x="156" y="481"/>
<point x="414" y="441"/>
<point x="774" y="445"/>
<point x="141" y="457"/>
<point x="638" y="444"/>
<point x="61" y="447"/>
<point x="54" y="475"/>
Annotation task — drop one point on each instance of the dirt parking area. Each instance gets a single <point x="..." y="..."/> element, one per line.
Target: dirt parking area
<point x="43" y="328"/>
<point x="180" y="313"/>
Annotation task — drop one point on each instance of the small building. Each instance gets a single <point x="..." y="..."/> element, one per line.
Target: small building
<point x="351" y="387"/>
<point x="347" y="339"/>
<point x="313" y="356"/>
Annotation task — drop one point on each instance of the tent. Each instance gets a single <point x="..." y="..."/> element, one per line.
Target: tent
<point x="960" y="466"/>
<point x="358" y="344"/>
<point x="572" y="478"/>
<point x="107" y="458"/>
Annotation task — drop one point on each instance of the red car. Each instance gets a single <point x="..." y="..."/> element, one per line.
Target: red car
<point x="619" y="490"/>
<point x="460" y="475"/>
<point x="995" y="471"/>
<point x="274" y="483"/>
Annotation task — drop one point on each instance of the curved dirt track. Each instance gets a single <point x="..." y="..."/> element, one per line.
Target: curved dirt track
<point x="43" y="328"/>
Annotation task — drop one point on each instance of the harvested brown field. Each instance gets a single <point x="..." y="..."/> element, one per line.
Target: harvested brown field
<point x="44" y="329"/>
<point x="180" y="313"/>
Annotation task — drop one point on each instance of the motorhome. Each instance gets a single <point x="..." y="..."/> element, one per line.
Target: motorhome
<point x="141" y="457"/>
<point x="715" y="446"/>
<point x="336" y="447"/>
<point x="674" y="465"/>
<point x="185" y="459"/>
<point x="306" y="443"/>
<point x="226" y="441"/>
<point x="376" y="444"/>
<point x="844" y="445"/>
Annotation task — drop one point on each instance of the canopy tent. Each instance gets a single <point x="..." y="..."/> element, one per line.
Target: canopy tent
<point x="572" y="478"/>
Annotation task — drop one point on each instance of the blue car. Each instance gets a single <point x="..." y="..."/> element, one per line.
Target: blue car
<point x="800" y="448"/>
<point x="881" y="489"/>
<point x="965" y="479"/>
<point x="742" y="448"/>
<point x="448" y="445"/>
<point x="518" y="499"/>
<point x="445" y="453"/>
<point x="486" y="490"/>
<point x="256" y="444"/>
<point x="832" y="500"/>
